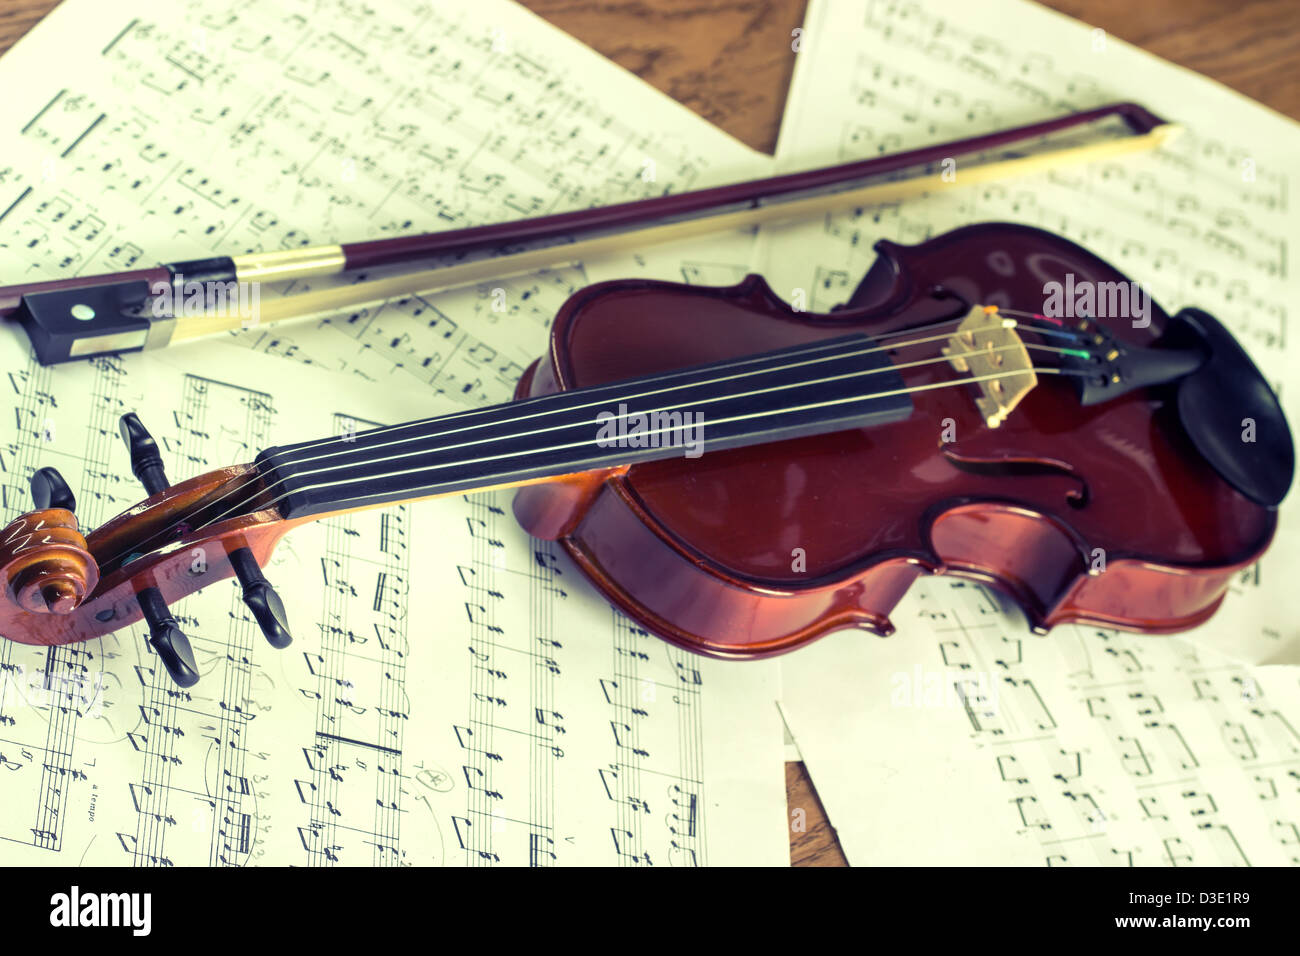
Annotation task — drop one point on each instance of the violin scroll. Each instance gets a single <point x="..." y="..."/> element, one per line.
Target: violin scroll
<point x="46" y="564"/>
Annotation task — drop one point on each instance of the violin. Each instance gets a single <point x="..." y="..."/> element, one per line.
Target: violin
<point x="741" y="477"/>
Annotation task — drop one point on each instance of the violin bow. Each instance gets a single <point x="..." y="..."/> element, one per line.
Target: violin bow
<point x="87" y="316"/>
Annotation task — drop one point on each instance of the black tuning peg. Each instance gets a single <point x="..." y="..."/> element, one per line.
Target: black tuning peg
<point x="168" y="639"/>
<point x="267" y="608"/>
<point x="146" y="462"/>
<point x="49" y="490"/>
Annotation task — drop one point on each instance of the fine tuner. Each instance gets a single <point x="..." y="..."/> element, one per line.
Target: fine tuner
<point x="935" y="423"/>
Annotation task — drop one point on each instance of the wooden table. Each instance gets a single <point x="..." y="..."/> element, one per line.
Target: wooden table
<point x="731" y="63"/>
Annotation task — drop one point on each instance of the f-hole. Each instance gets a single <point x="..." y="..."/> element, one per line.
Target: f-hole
<point x="1077" y="498"/>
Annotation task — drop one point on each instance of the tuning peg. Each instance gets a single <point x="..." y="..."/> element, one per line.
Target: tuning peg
<point x="168" y="639"/>
<point x="267" y="608"/>
<point x="49" y="490"/>
<point x="146" y="462"/>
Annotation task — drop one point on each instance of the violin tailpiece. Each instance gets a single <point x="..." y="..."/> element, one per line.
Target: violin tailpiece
<point x="988" y="347"/>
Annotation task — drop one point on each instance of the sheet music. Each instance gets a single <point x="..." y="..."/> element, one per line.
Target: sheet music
<point x="1085" y="747"/>
<point x="1206" y="218"/>
<point x="975" y="742"/>
<point x="471" y="345"/>
<point x="196" y="129"/>
<point x="455" y="693"/>
<point x="1206" y="221"/>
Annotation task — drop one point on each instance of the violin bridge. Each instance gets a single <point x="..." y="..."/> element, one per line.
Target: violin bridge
<point x="987" y="346"/>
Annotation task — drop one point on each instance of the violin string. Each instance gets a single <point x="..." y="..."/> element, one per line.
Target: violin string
<point x="1054" y="320"/>
<point x="809" y="349"/>
<point x="247" y="482"/>
<point x="1060" y="332"/>
<point x="1055" y="333"/>
<point x="251" y="481"/>
<point x="747" y="360"/>
<point x="1075" y="353"/>
<point x="533" y="452"/>
<point x="329" y="446"/>
<point x="604" y="402"/>
<point x="689" y="405"/>
<point x="420" y="491"/>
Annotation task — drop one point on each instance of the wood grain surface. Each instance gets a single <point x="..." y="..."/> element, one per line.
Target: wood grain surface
<point x="730" y="61"/>
<point x="812" y="839"/>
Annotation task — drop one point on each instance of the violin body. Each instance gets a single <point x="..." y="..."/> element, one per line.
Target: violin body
<point x="1105" y="514"/>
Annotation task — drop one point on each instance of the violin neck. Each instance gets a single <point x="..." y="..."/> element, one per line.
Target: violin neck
<point x="810" y="389"/>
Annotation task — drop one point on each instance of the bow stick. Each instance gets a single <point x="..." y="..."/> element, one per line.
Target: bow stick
<point x="85" y="316"/>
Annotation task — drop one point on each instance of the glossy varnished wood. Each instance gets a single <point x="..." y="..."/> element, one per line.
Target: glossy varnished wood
<point x="45" y="563"/>
<point x="144" y="547"/>
<point x="759" y="550"/>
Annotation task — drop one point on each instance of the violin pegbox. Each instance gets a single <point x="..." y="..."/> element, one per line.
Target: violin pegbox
<point x="62" y="587"/>
<point x="165" y="635"/>
<point x="987" y="346"/>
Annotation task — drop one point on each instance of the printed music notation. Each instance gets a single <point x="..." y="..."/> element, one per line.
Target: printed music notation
<point x="1205" y="219"/>
<point x="455" y="694"/>
<point x="469" y="346"/>
<point x="1085" y="747"/>
<point x="444" y="700"/>
<point x="441" y="121"/>
<point x="640" y="764"/>
<point x="196" y="130"/>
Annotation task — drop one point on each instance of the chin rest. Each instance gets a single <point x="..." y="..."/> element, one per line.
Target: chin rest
<point x="1215" y="401"/>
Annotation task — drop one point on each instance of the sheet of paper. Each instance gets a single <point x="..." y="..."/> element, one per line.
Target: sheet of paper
<point x="471" y="345"/>
<point x="966" y="740"/>
<point x="1206" y="221"/>
<point x="1085" y="747"/>
<point x="455" y="693"/>
<point x="197" y="129"/>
